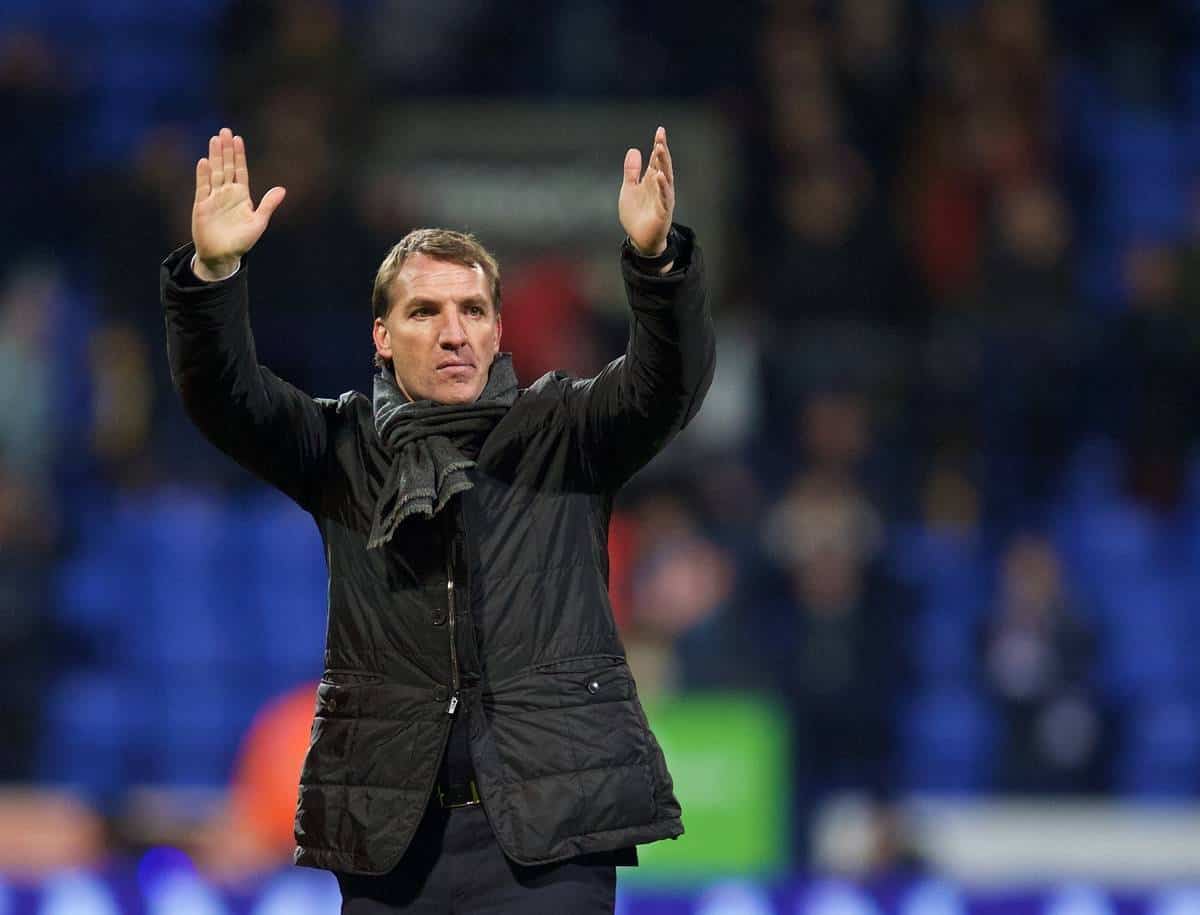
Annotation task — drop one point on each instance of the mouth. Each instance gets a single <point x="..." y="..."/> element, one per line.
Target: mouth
<point x="456" y="368"/>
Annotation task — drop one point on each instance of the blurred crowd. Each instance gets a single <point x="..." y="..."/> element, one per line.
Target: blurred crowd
<point x="943" y="502"/>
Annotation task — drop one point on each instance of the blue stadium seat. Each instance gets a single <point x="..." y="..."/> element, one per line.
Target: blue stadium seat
<point x="98" y="587"/>
<point x="92" y="720"/>
<point x="1144" y="650"/>
<point x="945" y="646"/>
<point x="194" y="583"/>
<point x="946" y="737"/>
<point x="1107" y="546"/>
<point x="1142" y="192"/>
<point x="198" y="719"/>
<point x="1161" y="751"/>
<point x="287" y="589"/>
<point x="1093" y="474"/>
<point x="948" y="571"/>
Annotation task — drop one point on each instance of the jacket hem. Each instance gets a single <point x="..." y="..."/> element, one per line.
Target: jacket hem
<point x="609" y="840"/>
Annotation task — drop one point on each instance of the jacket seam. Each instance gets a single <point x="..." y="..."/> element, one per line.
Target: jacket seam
<point x="508" y="782"/>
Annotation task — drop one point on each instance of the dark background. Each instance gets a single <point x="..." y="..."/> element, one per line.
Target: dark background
<point x="943" y="501"/>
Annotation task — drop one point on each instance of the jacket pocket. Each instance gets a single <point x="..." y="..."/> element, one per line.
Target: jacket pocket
<point x="567" y="715"/>
<point x="582" y="664"/>
<point x="346" y="676"/>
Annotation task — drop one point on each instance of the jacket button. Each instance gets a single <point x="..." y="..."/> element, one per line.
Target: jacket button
<point x="439" y="618"/>
<point x="594" y="687"/>
<point x="440" y="694"/>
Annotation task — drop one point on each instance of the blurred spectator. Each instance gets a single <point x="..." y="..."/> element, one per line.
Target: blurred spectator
<point x="270" y="44"/>
<point x="896" y="850"/>
<point x="1146" y="378"/>
<point x="733" y="408"/>
<point x="137" y="209"/>
<point x="832" y="434"/>
<point x="836" y="430"/>
<point x="876" y="78"/>
<point x="1025" y="275"/>
<point x="680" y="587"/>
<point x="1031" y="409"/>
<point x="123" y="396"/>
<point x="545" y="316"/>
<point x="837" y="257"/>
<point x="982" y="130"/>
<point x="45" y="832"/>
<point x="831" y="643"/>
<point x="34" y="96"/>
<point x="253" y="833"/>
<point x="28" y="433"/>
<point x="950" y="502"/>
<point x="26" y="637"/>
<point x="1039" y="662"/>
<point x="28" y="516"/>
<point x="437" y="61"/>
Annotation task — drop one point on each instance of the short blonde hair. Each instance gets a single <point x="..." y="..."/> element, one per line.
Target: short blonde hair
<point x="444" y="244"/>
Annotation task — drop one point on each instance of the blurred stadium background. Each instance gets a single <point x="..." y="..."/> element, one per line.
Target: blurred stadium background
<point x="914" y="604"/>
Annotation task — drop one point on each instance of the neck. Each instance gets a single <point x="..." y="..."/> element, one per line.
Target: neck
<point x="400" y="385"/>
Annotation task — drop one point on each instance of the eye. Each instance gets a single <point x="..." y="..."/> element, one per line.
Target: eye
<point x="476" y="311"/>
<point x="422" y="312"/>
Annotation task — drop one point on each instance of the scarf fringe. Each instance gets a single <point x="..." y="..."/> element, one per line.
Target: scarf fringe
<point x="428" y="440"/>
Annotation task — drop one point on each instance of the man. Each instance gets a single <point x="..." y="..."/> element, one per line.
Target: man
<point x="478" y="743"/>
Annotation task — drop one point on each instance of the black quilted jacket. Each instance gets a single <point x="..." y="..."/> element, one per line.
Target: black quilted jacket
<point x="563" y="757"/>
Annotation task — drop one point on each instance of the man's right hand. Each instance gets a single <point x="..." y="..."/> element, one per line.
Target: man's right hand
<point x="225" y="224"/>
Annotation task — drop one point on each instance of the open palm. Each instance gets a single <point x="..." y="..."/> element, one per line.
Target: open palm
<point x="225" y="223"/>
<point x="647" y="202"/>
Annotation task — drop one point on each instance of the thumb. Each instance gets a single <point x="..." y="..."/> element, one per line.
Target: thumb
<point x="270" y="202"/>
<point x="633" y="165"/>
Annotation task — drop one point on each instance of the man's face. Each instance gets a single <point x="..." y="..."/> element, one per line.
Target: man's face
<point x="442" y="331"/>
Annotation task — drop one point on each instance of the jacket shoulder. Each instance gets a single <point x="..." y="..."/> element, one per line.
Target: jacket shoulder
<point x="348" y="415"/>
<point x="545" y="399"/>
<point x="351" y="404"/>
<point x="552" y="385"/>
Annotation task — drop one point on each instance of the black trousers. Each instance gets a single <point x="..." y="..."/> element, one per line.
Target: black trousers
<point x="455" y="867"/>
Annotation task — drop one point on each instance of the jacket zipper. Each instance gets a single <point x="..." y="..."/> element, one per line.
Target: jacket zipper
<point x="454" y="684"/>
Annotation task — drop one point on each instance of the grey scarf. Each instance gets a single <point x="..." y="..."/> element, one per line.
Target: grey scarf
<point x="432" y="445"/>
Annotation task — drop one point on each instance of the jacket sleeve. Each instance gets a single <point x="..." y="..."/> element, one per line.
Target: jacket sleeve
<point x="626" y="414"/>
<point x="268" y="426"/>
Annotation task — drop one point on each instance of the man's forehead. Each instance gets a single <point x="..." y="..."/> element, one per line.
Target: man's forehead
<point x="422" y="273"/>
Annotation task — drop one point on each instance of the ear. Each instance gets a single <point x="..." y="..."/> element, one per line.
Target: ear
<point x="383" y="340"/>
<point x="499" y="329"/>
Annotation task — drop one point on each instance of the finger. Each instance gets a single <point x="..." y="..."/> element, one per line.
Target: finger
<point x="241" y="174"/>
<point x="668" y="166"/>
<point x="215" y="160"/>
<point x="203" y="180"/>
<point x="655" y="165"/>
<point x="227" y="154"/>
<point x="633" y="165"/>
<point x="270" y="202"/>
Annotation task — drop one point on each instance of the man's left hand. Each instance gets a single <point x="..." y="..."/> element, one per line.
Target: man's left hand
<point x="647" y="204"/>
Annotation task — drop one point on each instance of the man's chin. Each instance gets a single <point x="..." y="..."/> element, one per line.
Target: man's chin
<point x="457" y="394"/>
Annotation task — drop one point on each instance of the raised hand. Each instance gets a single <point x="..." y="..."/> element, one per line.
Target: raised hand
<point x="647" y="203"/>
<point x="225" y="223"/>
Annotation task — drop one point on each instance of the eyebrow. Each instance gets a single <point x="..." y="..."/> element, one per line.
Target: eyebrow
<point x="424" y="302"/>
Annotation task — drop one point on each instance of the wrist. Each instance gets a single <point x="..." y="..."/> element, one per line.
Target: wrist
<point x="213" y="270"/>
<point x="654" y="251"/>
<point x="662" y="260"/>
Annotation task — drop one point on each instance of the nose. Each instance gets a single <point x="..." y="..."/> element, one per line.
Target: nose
<point x="453" y="334"/>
